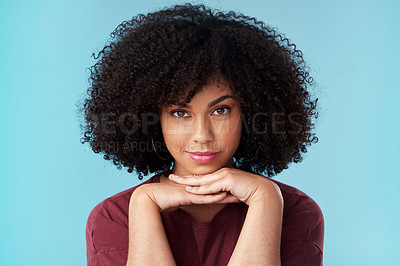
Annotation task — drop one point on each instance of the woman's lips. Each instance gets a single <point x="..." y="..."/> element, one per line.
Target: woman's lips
<point x="202" y="157"/>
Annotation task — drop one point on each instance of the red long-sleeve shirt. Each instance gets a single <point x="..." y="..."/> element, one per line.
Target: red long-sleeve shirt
<point x="206" y="243"/>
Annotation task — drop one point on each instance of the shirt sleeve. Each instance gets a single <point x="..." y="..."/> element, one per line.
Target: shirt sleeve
<point x="303" y="234"/>
<point x="107" y="258"/>
<point x="107" y="235"/>
<point x="299" y="253"/>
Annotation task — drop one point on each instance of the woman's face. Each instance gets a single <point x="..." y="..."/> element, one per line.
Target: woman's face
<point x="203" y="135"/>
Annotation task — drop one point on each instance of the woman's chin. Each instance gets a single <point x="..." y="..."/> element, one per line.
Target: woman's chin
<point x="200" y="169"/>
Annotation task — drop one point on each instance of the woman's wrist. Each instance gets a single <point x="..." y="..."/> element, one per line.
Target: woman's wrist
<point x="267" y="191"/>
<point x="142" y="196"/>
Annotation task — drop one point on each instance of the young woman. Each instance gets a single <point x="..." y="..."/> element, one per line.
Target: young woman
<point x="209" y="102"/>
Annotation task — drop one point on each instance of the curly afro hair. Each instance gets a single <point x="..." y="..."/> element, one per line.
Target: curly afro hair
<point x="152" y="60"/>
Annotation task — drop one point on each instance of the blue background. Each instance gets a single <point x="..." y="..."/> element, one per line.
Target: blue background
<point x="50" y="182"/>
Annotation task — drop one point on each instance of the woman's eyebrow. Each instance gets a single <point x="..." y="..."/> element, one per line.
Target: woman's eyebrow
<point x="220" y="99"/>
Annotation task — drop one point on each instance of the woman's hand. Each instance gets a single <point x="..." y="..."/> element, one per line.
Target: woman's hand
<point x="170" y="196"/>
<point x="243" y="186"/>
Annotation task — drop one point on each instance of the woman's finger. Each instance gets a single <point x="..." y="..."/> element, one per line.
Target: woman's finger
<point x="207" y="199"/>
<point x="230" y="199"/>
<point x="194" y="180"/>
<point x="209" y="188"/>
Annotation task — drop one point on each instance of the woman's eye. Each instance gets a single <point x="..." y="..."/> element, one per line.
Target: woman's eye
<point x="179" y="114"/>
<point x="221" y="111"/>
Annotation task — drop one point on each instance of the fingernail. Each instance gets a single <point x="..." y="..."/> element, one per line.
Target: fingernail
<point x="173" y="176"/>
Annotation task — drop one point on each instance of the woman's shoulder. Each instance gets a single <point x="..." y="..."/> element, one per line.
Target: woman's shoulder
<point x="303" y="219"/>
<point x="116" y="207"/>
<point x="297" y="200"/>
<point x="107" y="224"/>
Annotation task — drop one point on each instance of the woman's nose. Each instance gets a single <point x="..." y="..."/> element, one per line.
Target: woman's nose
<point x="202" y="130"/>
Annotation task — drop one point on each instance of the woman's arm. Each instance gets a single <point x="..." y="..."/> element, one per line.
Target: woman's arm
<point x="260" y="238"/>
<point x="148" y="243"/>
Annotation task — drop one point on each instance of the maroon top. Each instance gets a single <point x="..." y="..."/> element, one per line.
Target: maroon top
<point x="206" y="243"/>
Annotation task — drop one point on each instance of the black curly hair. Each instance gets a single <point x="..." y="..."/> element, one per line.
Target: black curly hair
<point x="152" y="60"/>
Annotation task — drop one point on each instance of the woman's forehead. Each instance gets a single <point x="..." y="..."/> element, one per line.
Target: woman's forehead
<point x="212" y="87"/>
<point x="208" y="92"/>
